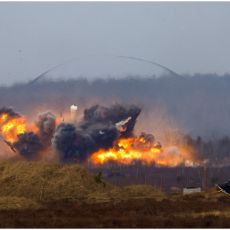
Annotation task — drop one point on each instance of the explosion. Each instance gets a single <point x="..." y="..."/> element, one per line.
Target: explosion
<point x="11" y="124"/>
<point x="12" y="128"/>
<point x="104" y="135"/>
<point x="138" y="149"/>
<point x="126" y="151"/>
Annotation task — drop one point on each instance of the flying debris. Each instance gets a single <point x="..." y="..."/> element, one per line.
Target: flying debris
<point x="122" y="125"/>
<point x="224" y="187"/>
<point x="157" y="145"/>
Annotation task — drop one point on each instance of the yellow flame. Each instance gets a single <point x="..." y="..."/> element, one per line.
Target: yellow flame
<point x="124" y="152"/>
<point x="12" y="128"/>
<point x="3" y="117"/>
<point x="129" y="150"/>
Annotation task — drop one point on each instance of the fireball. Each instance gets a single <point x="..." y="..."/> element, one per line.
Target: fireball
<point x="11" y="128"/>
<point x="130" y="150"/>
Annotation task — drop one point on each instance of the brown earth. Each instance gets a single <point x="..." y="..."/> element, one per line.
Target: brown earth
<point x="186" y="212"/>
<point x="42" y="195"/>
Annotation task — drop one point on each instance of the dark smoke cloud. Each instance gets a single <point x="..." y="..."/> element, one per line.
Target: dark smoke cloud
<point x="69" y="143"/>
<point x="112" y="115"/>
<point x="96" y="131"/>
<point x="11" y="113"/>
<point x="28" y="145"/>
<point x="102" y="134"/>
<point x="173" y="94"/>
<point x="74" y="144"/>
<point x="147" y="137"/>
<point x="46" y="123"/>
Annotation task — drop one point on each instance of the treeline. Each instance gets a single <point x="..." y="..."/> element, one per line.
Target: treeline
<point x="197" y="104"/>
<point x="216" y="151"/>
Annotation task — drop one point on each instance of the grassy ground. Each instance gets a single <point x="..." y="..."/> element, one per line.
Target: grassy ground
<point x="52" y="195"/>
<point x="140" y="212"/>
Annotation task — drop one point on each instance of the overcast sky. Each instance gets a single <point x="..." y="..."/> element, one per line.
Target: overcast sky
<point x="186" y="37"/>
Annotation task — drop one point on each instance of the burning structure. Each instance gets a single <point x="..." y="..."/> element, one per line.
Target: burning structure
<point x="103" y="135"/>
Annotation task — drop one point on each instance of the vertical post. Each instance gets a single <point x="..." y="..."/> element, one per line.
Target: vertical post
<point x="205" y="177"/>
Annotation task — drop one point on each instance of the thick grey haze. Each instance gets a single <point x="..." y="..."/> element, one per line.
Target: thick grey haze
<point x="186" y="37"/>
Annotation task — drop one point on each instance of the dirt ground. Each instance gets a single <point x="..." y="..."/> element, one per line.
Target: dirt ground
<point x="177" y="212"/>
<point x="42" y="195"/>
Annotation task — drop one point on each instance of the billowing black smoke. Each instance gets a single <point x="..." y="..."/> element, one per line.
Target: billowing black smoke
<point x="28" y="145"/>
<point x="70" y="143"/>
<point x="100" y="128"/>
<point x="76" y="144"/>
<point x="112" y="115"/>
<point x="64" y="141"/>
<point x="10" y="112"/>
<point x="46" y="124"/>
<point x="97" y="130"/>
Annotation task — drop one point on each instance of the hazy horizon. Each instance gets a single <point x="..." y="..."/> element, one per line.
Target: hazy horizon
<point x="187" y="37"/>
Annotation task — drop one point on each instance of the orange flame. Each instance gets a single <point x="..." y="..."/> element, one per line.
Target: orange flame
<point x="3" y="117"/>
<point x="127" y="151"/>
<point x="11" y="128"/>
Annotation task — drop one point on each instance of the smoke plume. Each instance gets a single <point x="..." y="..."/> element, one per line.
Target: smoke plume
<point x="96" y="131"/>
<point x="28" y="145"/>
<point x="46" y="124"/>
<point x="10" y="112"/>
<point x="103" y="134"/>
<point x="112" y="115"/>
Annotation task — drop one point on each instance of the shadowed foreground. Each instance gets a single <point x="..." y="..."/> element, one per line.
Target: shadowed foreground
<point x="185" y="212"/>
<point x="45" y="195"/>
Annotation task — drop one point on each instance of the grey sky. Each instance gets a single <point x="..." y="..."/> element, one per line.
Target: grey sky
<point x="186" y="37"/>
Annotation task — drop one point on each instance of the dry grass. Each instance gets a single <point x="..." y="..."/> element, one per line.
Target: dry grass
<point x="42" y="181"/>
<point x="118" y="194"/>
<point x="212" y="214"/>
<point x="45" y="181"/>
<point x="9" y="202"/>
<point x="26" y="185"/>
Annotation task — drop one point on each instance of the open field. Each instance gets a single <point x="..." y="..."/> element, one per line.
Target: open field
<point x="52" y="195"/>
<point x="139" y="212"/>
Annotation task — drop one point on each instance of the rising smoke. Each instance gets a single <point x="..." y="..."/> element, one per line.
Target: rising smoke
<point x="46" y="124"/>
<point x="74" y="142"/>
<point x="97" y="130"/>
<point x="164" y="101"/>
<point x="28" y="145"/>
<point x="27" y="142"/>
<point x="10" y="112"/>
